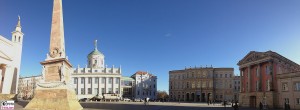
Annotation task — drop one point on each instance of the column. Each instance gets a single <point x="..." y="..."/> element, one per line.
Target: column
<point x="260" y="78"/>
<point x="7" y="80"/>
<point x="85" y="85"/>
<point x="241" y="81"/>
<point x="249" y="79"/>
<point x="105" y="88"/>
<point x="112" y="85"/>
<point x="272" y="76"/>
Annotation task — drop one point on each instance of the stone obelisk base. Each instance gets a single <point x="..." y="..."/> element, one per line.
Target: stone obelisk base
<point x="54" y="98"/>
<point x="8" y="96"/>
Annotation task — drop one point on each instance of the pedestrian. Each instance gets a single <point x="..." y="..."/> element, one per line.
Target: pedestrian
<point x="235" y="107"/>
<point x="207" y="102"/>
<point x="260" y="106"/>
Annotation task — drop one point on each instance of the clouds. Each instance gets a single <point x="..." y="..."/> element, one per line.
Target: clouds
<point x="168" y="35"/>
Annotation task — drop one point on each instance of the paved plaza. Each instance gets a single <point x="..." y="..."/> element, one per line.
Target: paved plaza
<point x="140" y="106"/>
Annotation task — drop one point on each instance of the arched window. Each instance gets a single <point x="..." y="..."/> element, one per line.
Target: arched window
<point x="15" y="38"/>
<point x="19" y="39"/>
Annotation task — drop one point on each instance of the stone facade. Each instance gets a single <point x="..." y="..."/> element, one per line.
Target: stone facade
<point x="236" y="87"/>
<point x="258" y="71"/>
<point x="145" y="85"/>
<point x="95" y="79"/>
<point x="201" y="84"/>
<point x="27" y="86"/>
<point x="10" y="61"/>
<point x="289" y="89"/>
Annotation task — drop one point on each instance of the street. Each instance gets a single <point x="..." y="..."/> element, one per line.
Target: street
<point x="140" y="106"/>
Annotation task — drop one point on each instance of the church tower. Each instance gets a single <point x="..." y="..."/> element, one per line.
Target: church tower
<point x="17" y="35"/>
<point x="95" y="58"/>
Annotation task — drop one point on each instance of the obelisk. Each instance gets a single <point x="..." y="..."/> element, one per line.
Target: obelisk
<point x="55" y="92"/>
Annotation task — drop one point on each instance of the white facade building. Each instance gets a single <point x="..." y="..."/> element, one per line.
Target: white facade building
<point x="145" y="85"/>
<point x="95" y="79"/>
<point x="27" y="86"/>
<point x="10" y="61"/>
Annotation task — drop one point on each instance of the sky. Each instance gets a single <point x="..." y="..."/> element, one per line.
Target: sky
<point x="157" y="35"/>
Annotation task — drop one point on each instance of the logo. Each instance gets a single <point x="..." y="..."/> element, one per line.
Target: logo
<point x="7" y="105"/>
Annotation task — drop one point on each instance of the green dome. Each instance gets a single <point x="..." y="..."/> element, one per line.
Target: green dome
<point x="95" y="52"/>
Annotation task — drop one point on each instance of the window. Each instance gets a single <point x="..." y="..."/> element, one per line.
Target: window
<point x="221" y="75"/>
<point x="221" y="96"/>
<point x="82" y="91"/>
<point x="109" y="90"/>
<point x="102" y="90"/>
<point x="89" y="90"/>
<point x="76" y="92"/>
<point x="187" y="85"/>
<point x="96" y="91"/>
<point x="268" y="85"/>
<point x="75" y="80"/>
<point x="267" y="69"/>
<point x="117" y="80"/>
<point x="117" y="91"/>
<point x="298" y="101"/>
<point x="297" y="88"/>
<point x="90" y="80"/>
<point x="154" y="86"/>
<point x="82" y="80"/>
<point x="138" y="93"/>
<point x="284" y="87"/>
<point x="225" y="75"/>
<point x="257" y="72"/>
<point x="230" y="75"/>
<point x="286" y="100"/>
<point x="193" y="84"/>
<point x="96" y="80"/>
<point x="109" y="80"/>
<point x="103" y="81"/>
<point x="242" y="74"/>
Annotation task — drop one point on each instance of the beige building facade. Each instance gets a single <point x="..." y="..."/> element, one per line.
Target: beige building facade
<point x="289" y="90"/>
<point x="201" y="84"/>
<point x="27" y="86"/>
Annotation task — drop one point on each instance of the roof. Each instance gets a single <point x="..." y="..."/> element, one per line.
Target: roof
<point x="127" y="79"/>
<point x="95" y="52"/>
<point x="142" y="73"/>
<point x="3" y="55"/>
<point x="255" y="56"/>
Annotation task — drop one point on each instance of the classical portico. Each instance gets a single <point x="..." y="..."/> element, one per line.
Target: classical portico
<point x="258" y="71"/>
<point x="10" y="62"/>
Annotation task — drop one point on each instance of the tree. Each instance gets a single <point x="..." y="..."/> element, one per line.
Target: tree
<point x="162" y="95"/>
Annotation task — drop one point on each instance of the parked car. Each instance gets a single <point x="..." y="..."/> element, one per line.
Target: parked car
<point x="127" y="99"/>
<point x="83" y="100"/>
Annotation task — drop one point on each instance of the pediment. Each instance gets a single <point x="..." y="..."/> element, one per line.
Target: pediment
<point x="253" y="56"/>
<point x="4" y="56"/>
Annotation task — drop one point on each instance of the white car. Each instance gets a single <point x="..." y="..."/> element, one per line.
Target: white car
<point x="126" y="99"/>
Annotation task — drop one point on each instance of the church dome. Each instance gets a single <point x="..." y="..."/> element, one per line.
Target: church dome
<point x="95" y="52"/>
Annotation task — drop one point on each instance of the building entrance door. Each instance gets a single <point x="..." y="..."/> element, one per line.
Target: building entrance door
<point x="253" y="101"/>
<point x="203" y="97"/>
<point x="193" y="96"/>
<point x="187" y="97"/>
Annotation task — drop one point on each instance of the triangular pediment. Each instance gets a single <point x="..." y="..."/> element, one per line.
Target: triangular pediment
<point x="253" y="56"/>
<point x="4" y="56"/>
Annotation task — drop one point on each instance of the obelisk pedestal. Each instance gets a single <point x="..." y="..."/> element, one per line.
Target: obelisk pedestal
<point x="56" y="91"/>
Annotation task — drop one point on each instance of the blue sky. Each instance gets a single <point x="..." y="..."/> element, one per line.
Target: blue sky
<point x="157" y="35"/>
